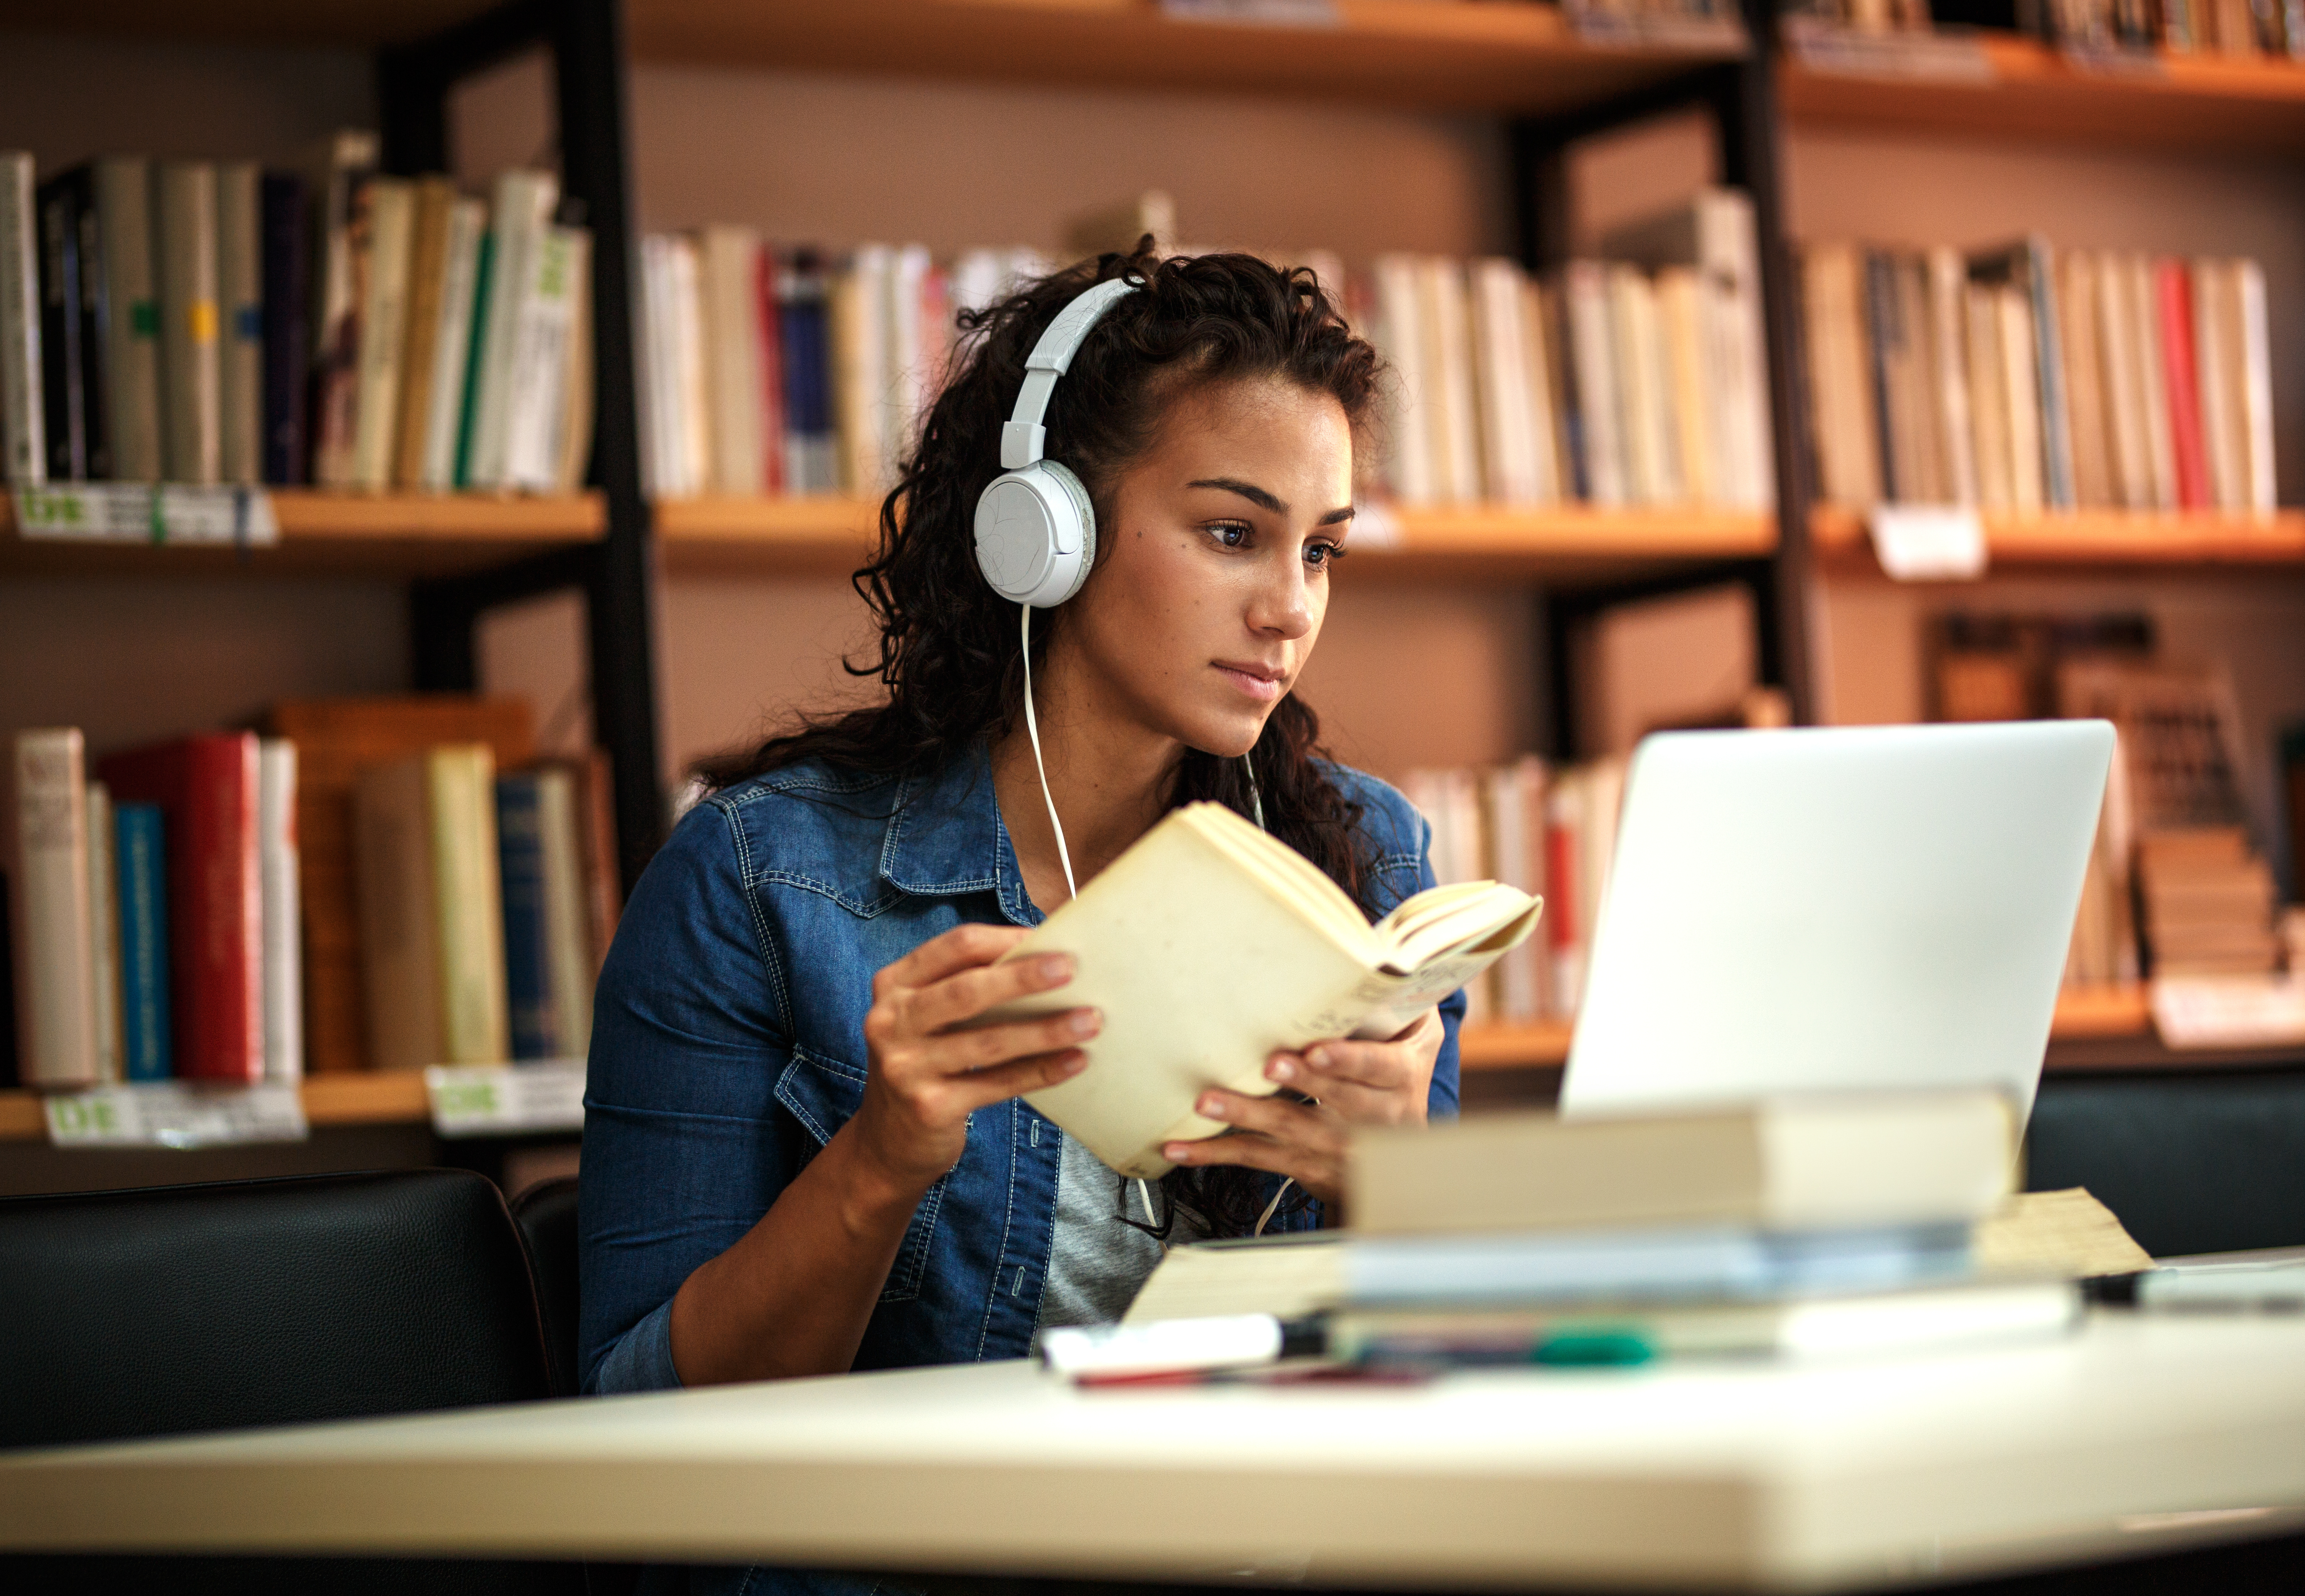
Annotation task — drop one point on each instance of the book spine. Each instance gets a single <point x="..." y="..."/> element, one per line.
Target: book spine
<point x="419" y="364"/>
<point x="142" y="867"/>
<point x="340" y="225"/>
<point x="132" y="342"/>
<point x="732" y="349"/>
<point x="468" y="412"/>
<point x="95" y="419"/>
<point x="538" y="389"/>
<point x="287" y="318"/>
<point x="240" y="299"/>
<point x="567" y="936"/>
<point x="278" y="870"/>
<point x="524" y="202"/>
<point x="2257" y="372"/>
<point x="102" y="936"/>
<point x="398" y="941"/>
<point x="65" y="408"/>
<point x="451" y="354"/>
<point x="574" y="445"/>
<point x="528" y="966"/>
<point x="23" y="429"/>
<point x="383" y="331"/>
<point x="468" y="898"/>
<point x="2181" y="376"/>
<point x="56" y="994"/>
<point x="184" y="216"/>
<point x="768" y="324"/>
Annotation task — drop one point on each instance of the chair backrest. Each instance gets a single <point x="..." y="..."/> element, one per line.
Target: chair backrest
<point x="546" y="1213"/>
<point x="266" y="1301"/>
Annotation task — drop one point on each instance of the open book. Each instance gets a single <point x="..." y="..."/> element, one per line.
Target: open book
<point x="1208" y="947"/>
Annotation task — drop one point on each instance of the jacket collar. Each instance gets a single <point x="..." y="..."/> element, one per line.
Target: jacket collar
<point x="946" y="839"/>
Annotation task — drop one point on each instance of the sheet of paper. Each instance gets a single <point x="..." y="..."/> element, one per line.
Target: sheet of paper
<point x="1928" y="542"/>
<point x="2064" y="1233"/>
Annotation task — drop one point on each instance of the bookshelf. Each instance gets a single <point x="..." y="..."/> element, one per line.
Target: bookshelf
<point x="2203" y="103"/>
<point x="382" y="534"/>
<point x="2103" y="538"/>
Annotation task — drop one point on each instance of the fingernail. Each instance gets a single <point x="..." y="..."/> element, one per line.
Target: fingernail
<point x="1056" y="967"/>
<point x="1320" y="1059"/>
<point x="1086" y="1021"/>
<point x="1072" y="1063"/>
<point x="1279" y="1069"/>
<point x="1177" y="1152"/>
<point x="1212" y="1107"/>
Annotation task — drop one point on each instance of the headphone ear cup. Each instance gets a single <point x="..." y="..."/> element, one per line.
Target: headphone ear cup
<point x="1077" y="556"/>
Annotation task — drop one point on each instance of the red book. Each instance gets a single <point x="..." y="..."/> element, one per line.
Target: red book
<point x="769" y="319"/>
<point x="2182" y="375"/>
<point x="206" y="788"/>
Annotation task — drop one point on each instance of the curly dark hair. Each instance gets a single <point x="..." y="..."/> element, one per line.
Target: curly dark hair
<point x="948" y="651"/>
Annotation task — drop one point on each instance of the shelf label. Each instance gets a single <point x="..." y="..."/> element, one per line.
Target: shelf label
<point x="1928" y="542"/>
<point x="1255" y="13"/>
<point x="1937" y="57"/>
<point x="1658" y="30"/>
<point x="490" y="1099"/>
<point x="176" y="1114"/>
<point x="2229" y="1011"/>
<point x="145" y="512"/>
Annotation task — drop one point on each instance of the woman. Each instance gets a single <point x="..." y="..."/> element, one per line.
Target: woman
<point x="795" y="1163"/>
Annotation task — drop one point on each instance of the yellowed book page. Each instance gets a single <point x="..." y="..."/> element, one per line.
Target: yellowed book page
<point x="2065" y="1233"/>
<point x="1287" y="1277"/>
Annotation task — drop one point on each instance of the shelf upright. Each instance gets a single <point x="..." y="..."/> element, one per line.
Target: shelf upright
<point x="616" y="574"/>
<point x="1741" y="99"/>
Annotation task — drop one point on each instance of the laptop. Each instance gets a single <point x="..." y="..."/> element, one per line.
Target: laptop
<point x="1837" y="909"/>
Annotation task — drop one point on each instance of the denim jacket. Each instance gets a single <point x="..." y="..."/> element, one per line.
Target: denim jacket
<point x="727" y="1047"/>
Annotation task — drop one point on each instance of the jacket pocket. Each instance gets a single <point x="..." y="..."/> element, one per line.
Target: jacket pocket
<point x="823" y="1094"/>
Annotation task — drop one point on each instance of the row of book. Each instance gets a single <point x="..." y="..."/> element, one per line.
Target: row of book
<point x="1548" y="830"/>
<point x="2187" y="26"/>
<point x="235" y="907"/>
<point x="775" y="370"/>
<point x="211" y="323"/>
<point x="2024" y="380"/>
<point x="1639" y="378"/>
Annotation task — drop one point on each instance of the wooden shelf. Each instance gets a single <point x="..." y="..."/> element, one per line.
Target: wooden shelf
<point x="1522" y="58"/>
<point x="2083" y="1013"/>
<point x="333" y="23"/>
<point x="2103" y="538"/>
<point x="2201" y="103"/>
<point x="386" y="1097"/>
<point x="834" y="535"/>
<point x="321" y="533"/>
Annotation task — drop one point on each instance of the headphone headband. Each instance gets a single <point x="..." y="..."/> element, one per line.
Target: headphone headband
<point x="1024" y="440"/>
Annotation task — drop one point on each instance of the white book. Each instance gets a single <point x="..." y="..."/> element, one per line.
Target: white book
<point x="908" y="383"/>
<point x="2021" y="375"/>
<point x="692" y="399"/>
<point x="2132" y="464"/>
<point x="1177" y="998"/>
<point x="1847" y="446"/>
<point x="2221" y="438"/>
<point x="660" y="456"/>
<point x="541" y="376"/>
<point x="384" y="329"/>
<point x="1651" y="478"/>
<point x="730" y="266"/>
<point x="1455" y="413"/>
<point x="1398" y="335"/>
<point x="523" y="210"/>
<point x="1545" y="419"/>
<point x="23" y="424"/>
<point x="2144" y="310"/>
<point x="277" y="862"/>
<point x="1513" y="805"/>
<point x="859" y="368"/>
<point x="1600" y="412"/>
<point x="2257" y="384"/>
<point x="1695" y="395"/>
<point x="49" y="906"/>
<point x="1499" y="365"/>
<point x="102" y="936"/>
<point x="452" y="350"/>
<point x="1948" y="319"/>
<point x="240" y="305"/>
<point x="1989" y="399"/>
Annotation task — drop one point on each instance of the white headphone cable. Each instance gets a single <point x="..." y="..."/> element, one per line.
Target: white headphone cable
<point x="1032" y="730"/>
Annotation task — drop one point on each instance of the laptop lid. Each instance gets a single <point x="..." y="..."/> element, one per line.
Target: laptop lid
<point x="1837" y="909"/>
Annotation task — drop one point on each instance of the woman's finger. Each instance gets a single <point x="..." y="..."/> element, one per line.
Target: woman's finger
<point x="1380" y="1067"/>
<point x="963" y="948"/>
<point x="1355" y="1104"/>
<point x="986" y="1087"/>
<point x="968" y="993"/>
<point x="1284" y="1119"/>
<point x="964" y="1052"/>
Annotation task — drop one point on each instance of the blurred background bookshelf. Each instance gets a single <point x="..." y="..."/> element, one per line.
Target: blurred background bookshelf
<point x="1461" y="130"/>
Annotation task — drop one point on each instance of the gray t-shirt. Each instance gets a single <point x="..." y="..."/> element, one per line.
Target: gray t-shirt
<point x="1098" y="1260"/>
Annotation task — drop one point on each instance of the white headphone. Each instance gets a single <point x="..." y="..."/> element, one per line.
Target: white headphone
<point x="1035" y="529"/>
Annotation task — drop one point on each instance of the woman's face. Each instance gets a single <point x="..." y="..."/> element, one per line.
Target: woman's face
<point x="1213" y="572"/>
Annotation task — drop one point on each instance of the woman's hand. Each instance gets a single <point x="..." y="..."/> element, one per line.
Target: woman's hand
<point x="927" y="1077"/>
<point x="1352" y="1083"/>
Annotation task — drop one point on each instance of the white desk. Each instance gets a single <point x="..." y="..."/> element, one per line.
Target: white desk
<point x="2139" y="1433"/>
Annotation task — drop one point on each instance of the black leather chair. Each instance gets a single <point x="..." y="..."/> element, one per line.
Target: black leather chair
<point x="2209" y="1160"/>
<point x="193" y="1308"/>
<point x="546" y="1213"/>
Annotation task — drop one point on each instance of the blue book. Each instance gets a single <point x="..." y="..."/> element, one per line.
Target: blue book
<point x="140" y="865"/>
<point x="528" y="969"/>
